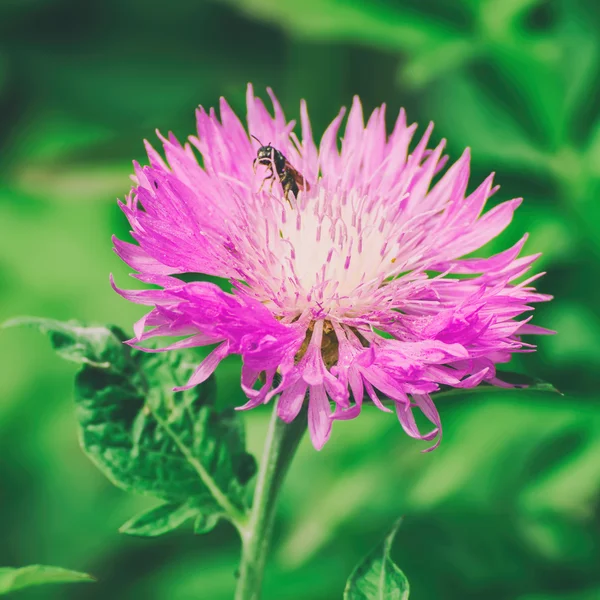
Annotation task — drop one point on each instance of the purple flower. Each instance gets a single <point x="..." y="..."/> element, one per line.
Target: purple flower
<point x="344" y="263"/>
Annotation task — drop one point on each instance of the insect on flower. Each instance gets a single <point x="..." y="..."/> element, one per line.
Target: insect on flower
<point x="291" y="180"/>
<point x="353" y="300"/>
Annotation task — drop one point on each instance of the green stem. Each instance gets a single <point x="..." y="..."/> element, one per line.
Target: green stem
<point x="280" y="446"/>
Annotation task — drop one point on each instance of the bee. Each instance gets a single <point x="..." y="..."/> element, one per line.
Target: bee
<point x="291" y="180"/>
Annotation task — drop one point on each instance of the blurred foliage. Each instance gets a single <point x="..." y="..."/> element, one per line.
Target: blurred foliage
<point x="507" y="508"/>
<point x="12" y="579"/>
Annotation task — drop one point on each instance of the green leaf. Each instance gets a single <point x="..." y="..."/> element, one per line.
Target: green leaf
<point x="99" y="347"/>
<point x="159" y="520"/>
<point x="378" y="577"/>
<point x="12" y="579"/>
<point x="150" y="440"/>
<point x="169" y="516"/>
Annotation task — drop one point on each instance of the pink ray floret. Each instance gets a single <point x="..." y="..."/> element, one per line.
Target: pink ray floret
<point x="351" y="287"/>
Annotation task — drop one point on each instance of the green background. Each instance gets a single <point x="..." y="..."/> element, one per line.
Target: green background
<point x="507" y="508"/>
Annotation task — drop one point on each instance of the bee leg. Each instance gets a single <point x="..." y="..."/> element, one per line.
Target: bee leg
<point x="269" y="175"/>
<point x="262" y="184"/>
<point x="286" y="191"/>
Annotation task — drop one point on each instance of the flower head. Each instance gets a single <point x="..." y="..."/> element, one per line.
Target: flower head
<point x="344" y="263"/>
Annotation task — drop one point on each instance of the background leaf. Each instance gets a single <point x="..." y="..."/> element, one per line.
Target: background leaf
<point x="13" y="579"/>
<point x="385" y="24"/>
<point x="378" y="577"/>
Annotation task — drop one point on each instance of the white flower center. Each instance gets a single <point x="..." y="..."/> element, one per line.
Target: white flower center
<point x="335" y="249"/>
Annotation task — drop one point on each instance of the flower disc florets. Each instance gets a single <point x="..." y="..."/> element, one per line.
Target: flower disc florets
<point x="344" y="263"/>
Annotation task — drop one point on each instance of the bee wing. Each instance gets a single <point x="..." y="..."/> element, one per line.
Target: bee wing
<point x="300" y="180"/>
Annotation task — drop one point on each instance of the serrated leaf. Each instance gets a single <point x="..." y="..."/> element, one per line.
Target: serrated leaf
<point x="13" y="579"/>
<point x="148" y="439"/>
<point x="99" y="346"/>
<point x="151" y="440"/>
<point x="378" y="577"/>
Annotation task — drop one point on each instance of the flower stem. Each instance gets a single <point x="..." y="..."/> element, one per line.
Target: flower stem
<point x="280" y="446"/>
